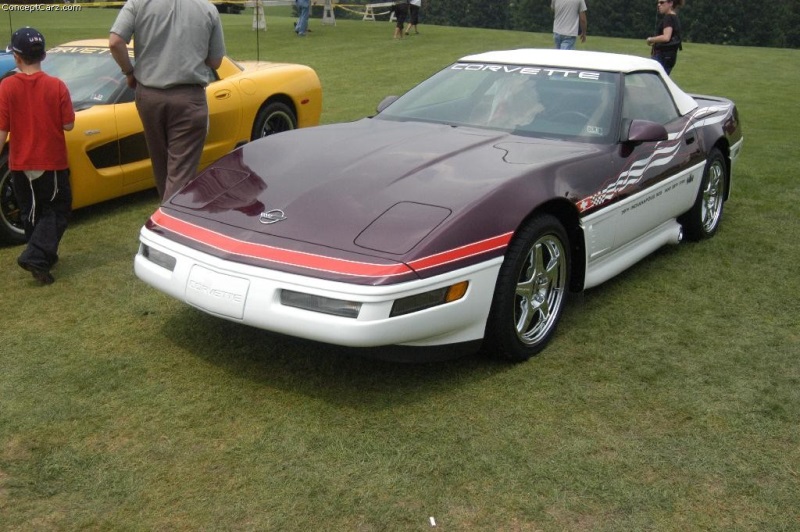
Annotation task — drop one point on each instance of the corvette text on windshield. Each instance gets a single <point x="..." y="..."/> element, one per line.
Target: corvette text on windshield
<point x="528" y="71"/>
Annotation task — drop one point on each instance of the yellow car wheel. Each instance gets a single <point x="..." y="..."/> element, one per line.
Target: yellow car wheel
<point x="274" y="117"/>
<point x="11" y="229"/>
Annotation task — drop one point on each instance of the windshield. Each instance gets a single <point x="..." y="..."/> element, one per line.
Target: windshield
<point x="90" y="73"/>
<point x="525" y="100"/>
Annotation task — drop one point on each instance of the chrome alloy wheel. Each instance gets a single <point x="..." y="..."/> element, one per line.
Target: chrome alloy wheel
<point x="713" y="196"/>
<point x="540" y="290"/>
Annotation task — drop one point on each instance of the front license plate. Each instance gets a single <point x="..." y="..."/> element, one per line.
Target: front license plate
<point x="217" y="292"/>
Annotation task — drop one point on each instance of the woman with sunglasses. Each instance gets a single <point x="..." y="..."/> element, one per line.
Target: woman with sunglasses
<point x="667" y="42"/>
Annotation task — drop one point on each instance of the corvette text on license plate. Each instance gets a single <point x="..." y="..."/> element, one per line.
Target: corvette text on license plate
<point x="216" y="292"/>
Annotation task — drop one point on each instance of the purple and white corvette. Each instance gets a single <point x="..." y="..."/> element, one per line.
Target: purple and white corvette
<point x="462" y="213"/>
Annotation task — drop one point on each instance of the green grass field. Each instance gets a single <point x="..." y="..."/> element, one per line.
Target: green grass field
<point x="669" y="399"/>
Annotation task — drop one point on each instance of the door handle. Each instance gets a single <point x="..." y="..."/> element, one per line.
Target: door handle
<point x="222" y="95"/>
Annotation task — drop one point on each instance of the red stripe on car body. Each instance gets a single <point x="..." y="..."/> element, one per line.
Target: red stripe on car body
<point x="321" y="262"/>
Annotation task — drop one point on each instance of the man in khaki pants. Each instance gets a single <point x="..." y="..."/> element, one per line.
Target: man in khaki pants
<point x="177" y="44"/>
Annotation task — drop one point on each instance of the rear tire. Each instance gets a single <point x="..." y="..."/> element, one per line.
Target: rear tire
<point x="702" y="221"/>
<point x="11" y="228"/>
<point x="531" y="291"/>
<point x="274" y="117"/>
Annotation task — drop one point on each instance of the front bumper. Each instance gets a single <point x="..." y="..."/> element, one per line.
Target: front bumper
<point x="252" y="296"/>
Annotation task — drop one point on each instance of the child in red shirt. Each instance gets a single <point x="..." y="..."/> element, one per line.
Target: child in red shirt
<point x="36" y="109"/>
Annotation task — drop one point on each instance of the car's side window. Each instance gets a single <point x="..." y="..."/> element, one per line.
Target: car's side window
<point x="646" y="98"/>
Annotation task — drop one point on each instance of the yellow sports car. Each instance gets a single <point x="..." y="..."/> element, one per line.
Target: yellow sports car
<point x="108" y="156"/>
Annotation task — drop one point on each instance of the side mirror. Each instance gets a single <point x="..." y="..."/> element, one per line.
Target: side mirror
<point x="386" y="102"/>
<point x="638" y="131"/>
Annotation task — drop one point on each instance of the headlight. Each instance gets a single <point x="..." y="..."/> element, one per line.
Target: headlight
<point x="325" y="305"/>
<point x="158" y="257"/>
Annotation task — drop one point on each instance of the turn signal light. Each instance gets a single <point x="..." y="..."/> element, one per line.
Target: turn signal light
<point x="426" y="300"/>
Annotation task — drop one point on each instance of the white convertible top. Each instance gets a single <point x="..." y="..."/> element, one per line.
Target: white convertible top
<point x="578" y="59"/>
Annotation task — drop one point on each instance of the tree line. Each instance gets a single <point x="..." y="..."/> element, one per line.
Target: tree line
<point x="770" y="23"/>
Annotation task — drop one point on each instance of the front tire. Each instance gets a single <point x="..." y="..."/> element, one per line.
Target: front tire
<point x="531" y="291"/>
<point x="11" y="228"/>
<point x="702" y="221"/>
<point x="274" y="117"/>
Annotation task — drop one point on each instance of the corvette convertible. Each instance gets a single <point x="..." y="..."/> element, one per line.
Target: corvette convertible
<point x="460" y="215"/>
<point x="107" y="152"/>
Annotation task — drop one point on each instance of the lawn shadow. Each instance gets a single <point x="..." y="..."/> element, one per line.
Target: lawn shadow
<point x="104" y="234"/>
<point x="336" y="374"/>
<point x="356" y="377"/>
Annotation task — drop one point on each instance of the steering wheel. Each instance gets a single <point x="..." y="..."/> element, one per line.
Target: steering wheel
<point x="570" y="117"/>
<point x="108" y="79"/>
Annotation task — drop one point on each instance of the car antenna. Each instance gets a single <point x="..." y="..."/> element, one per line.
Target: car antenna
<point x="258" y="30"/>
<point x="258" y="16"/>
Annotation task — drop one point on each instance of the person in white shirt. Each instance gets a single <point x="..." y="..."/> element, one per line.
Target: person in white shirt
<point x="569" y="22"/>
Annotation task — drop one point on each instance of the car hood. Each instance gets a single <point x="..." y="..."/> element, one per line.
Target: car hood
<point x="375" y="187"/>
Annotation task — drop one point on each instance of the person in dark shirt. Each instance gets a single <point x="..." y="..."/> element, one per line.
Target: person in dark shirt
<point x="667" y="41"/>
<point x="400" y="10"/>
